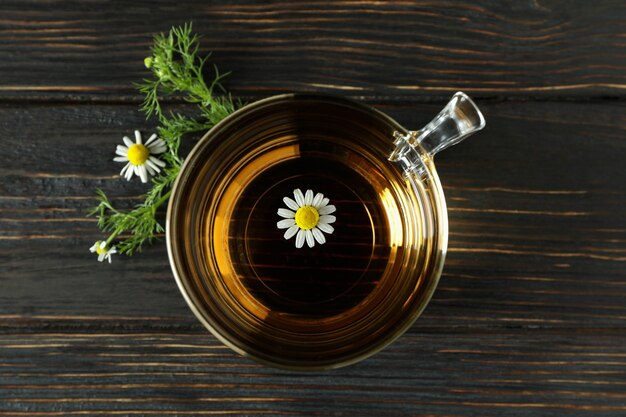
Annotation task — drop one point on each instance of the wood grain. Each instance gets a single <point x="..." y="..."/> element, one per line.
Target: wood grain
<point x="409" y="50"/>
<point x="92" y="371"/>
<point x="529" y="318"/>
<point x="537" y="226"/>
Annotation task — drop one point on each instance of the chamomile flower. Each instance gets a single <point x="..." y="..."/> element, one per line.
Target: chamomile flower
<point x="308" y="218"/>
<point x="103" y="252"/>
<point x="140" y="157"/>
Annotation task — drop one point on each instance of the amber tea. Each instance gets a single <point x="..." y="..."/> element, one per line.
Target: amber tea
<point x="303" y="234"/>
<point x="326" y="279"/>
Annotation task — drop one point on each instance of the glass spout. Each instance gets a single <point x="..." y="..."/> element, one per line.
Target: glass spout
<point x="458" y="120"/>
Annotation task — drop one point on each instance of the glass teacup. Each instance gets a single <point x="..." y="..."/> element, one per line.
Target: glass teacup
<point x="292" y="290"/>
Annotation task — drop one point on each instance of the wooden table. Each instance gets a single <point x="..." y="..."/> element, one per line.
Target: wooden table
<point x="530" y="316"/>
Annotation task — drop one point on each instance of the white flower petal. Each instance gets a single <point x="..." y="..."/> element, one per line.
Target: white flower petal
<point x="290" y="203"/>
<point x="121" y="150"/>
<point x="109" y="258"/>
<point x="150" y="163"/>
<point x="156" y="149"/>
<point x="291" y="231"/>
<point x="299" y="197"/>
<point x="285" y="223"/>
<point x="327" y="219"/>
<point x="309" y="238"/>
<point x="319" y="236"/>
<point x="129" y="171"/>
<point x="103" y="244"/>
<point x="317" y="200"/>
<point x="325" y="228"/>
<point x="288" y="214"/>
<point x="137" y="137"/>
<point x="94" y="247"/>
<point x="143" y="173"/>
<point x="300" y="238"/>
<point x="157" y="161"/>
<point x="327" y="209"/>
<point x="127" y="141"/>
<point x="101" y="257"/>
<point x="151" y="171"/>
<point x="125" y="171"/>
<point x="149" y="141"/>
<point x="156" y="144"/>
<point x="308" y="198"/>
<point x="121" y="159"/>
<point x="324" y="202"/>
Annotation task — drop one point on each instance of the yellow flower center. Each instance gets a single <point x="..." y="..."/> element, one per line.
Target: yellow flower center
<point x="100" y="250"/>
<point x="138" y="154"/>
<point x="307" y="217"/>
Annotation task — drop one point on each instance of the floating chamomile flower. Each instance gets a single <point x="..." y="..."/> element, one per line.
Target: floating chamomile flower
<point x="140" y="157"/>
<point x="308" y="218"/>
<point x="104" y="252"/>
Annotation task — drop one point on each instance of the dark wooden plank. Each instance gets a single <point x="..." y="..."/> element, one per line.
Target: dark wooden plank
<point x="152" y="371"/>
<point x="529" y="318"/>
<point x="537" y="225"/>
<point x="536" y="205"/>
<point x="392" y="50"/>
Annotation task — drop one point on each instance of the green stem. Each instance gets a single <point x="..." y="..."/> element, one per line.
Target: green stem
<point x="113" y="236"/>
<point x="175" y="67"/>
<point x="162" y="199"/>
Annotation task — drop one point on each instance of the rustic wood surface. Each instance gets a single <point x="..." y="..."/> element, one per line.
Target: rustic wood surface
<point x="530" y="316"/>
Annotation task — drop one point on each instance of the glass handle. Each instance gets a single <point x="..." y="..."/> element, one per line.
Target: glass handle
<point x="458" y="120"/>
